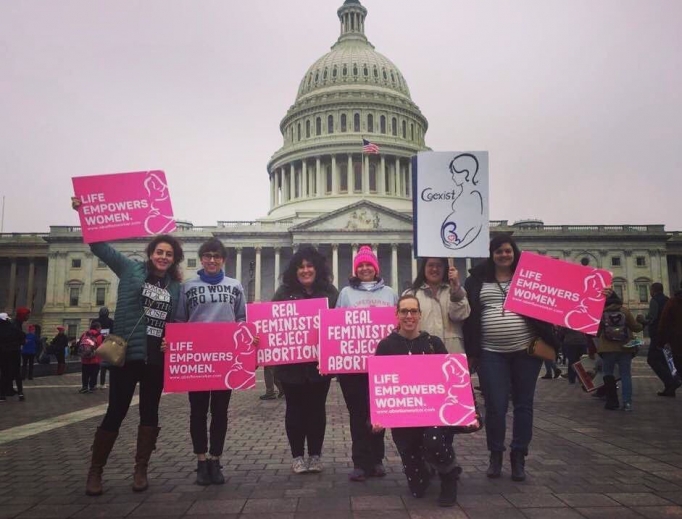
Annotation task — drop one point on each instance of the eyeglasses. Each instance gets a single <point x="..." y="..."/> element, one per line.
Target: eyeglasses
<point x="408" y="311"/>
<point x="208" y="256"/>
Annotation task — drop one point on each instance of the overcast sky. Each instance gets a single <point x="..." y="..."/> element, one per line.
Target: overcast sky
<point x="579" y="102"/>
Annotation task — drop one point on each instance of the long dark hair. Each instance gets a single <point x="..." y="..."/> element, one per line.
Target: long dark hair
<point x="311" y="255"/>
<point x="421" y="273"/>
<point x="496" y="243"/>
<point x="174" y="271"/>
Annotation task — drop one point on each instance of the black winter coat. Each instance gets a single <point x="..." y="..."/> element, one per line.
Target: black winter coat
<point x="304" y="371"/>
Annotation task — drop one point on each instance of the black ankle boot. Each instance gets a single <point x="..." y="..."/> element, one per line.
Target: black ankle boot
<point x="448" y="487"/>
<point x="518" y="465"/>
<point x="203" y="477"/>
<point x="495" y="467"/>
<point x="214" y="472"/>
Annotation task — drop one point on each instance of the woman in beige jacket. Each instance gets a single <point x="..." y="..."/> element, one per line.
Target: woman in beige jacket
<point x="443" y="302"/>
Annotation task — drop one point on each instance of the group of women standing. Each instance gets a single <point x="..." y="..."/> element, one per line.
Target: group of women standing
<point x="436" y="315"/>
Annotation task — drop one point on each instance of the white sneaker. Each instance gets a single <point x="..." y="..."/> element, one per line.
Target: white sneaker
<point x="314" y="464"/>
<point x="298" y="466"/>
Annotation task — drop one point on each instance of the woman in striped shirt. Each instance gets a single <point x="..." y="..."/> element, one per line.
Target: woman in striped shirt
<point x="496" y="342"/>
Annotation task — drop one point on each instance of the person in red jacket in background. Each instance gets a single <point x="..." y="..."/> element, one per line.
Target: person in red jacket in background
<point x="87" y="344"/>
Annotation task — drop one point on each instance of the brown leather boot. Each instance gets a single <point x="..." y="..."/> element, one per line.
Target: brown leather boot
<point x="101" y="447"/>
<point x="146" y="443"/>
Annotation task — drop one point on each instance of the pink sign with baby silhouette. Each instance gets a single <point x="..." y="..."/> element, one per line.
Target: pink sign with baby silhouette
<point x="123" y="205"/>
<point x="558" y="292"/>
<point x="420" y="391"/>
<point x="209" y="357"/>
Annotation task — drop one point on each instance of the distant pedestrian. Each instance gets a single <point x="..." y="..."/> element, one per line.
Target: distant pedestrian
<point x="87" y="345"/>
<point x="28" y="353"/>
<point x="229" y="306"/>
<point x="107" y="328"/>
<point x="365" y="289"/>
<point x="58" y="347"/>
<point x="11" y="340"/>
<point x="670" y="329"/>
<point x="551" y="370"/>
<point x="575" y="345"/>
<point x="655" y="358"/>
<point x="305" y="277"/>
<point x="22" y="315"/>
<point x="615" y="331"/>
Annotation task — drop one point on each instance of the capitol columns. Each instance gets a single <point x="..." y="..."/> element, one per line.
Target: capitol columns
<point x="31" y="282"/>
<point x="628" y="271"/>
<point x="276" y="274"/>
<point x="396" y="178"/>
<point x="365" y="174"/>
<point x="11" y="293"/>
<point x="318" y="175"/>
<point x="292" y="181"/>
<point x="272" y="189"/>
<point x="409" y="175"/>
<point x="238" y="265"/>
<point x="304" y="180"/>
<point x="335" y="178"/>
<point x="335" y="262"/>
<point x="351" y="178"/>
<point x="258" y="273"/>
<point x="381" y="181"/>
<point x="394" y="266"/>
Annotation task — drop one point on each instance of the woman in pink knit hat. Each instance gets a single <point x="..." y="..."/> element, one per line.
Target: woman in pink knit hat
<point x="365" y="289"/>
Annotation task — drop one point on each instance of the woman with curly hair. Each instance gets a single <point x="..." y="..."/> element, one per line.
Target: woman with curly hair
<point x="306" y="276"/>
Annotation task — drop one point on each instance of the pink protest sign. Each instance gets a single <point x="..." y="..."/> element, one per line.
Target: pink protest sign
<point x="558" y="292"/>
<point x="123" y="205"/>
<point x="420" y="391"/>
<point x="209" y="357"/>
<point x="349" y="335"/>
<point x="288" y="330"/>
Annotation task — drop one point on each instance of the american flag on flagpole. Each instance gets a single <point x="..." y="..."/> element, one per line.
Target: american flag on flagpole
<point x="369" y="147"/>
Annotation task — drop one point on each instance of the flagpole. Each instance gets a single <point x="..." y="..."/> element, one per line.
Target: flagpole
<point x="2" y="218"/>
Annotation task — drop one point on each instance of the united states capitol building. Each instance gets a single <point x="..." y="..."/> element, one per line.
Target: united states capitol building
<point x="325" y="192"/>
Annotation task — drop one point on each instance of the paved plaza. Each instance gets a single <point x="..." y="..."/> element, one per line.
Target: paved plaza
<point x="584" y="462"/>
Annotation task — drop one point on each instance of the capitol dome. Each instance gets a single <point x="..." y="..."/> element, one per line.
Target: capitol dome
<point x="349" y="94"/>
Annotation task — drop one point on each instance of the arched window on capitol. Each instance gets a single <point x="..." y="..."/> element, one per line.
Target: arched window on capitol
<point x="370" y="123"/>
<point x="330" y="124"/>
<point x="343" y="122"/>
<point x="356" y="122"/>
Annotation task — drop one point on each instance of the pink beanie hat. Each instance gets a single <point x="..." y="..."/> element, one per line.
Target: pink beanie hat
<point x="365" y="255"/>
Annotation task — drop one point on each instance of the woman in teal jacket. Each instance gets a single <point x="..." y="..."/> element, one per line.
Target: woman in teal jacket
<point x="148" y="294"/>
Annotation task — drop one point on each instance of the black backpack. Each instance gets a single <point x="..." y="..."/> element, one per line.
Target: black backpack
<point x="615" y="326"/>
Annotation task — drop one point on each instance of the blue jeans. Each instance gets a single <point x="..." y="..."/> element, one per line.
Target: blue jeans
<point x="502" y="373"/>
<point x="624" y="362"/>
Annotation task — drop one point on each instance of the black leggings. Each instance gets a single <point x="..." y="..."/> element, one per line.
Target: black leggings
<point x="27" y="361"/>
<point x="368" y="447"/>
<point x="122" y="383"/>
<point x="306" y="416"/>
<point x="421" y="447"/>
<point x="199" y="402"/>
